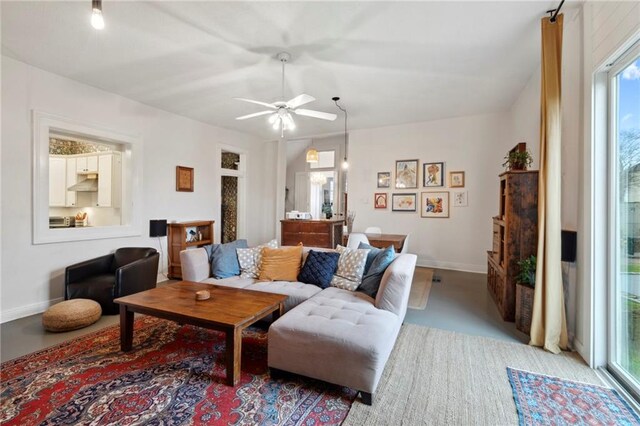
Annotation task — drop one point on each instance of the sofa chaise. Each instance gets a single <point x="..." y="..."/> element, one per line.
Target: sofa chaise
<point x="335" y="335"/>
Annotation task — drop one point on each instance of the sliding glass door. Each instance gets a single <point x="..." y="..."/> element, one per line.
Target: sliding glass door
<point x="624" y="296"/>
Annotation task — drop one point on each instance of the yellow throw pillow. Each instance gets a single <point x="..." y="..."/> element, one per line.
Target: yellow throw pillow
<point x="282" y="264"/>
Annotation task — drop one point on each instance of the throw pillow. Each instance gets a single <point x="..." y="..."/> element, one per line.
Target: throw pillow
<point x="371" y="280"/>
<point x="319" y="268"/>
<point x="373" y="252"/>
<point x="350" y="268"/>
<point x="224" y="259"/>
<point x="250" y="258"/>
<point x="281" y="264"/>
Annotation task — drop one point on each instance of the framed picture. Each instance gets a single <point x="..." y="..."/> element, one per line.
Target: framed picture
<point x="456" y="179"/>
<point x="380" y="200"/>
<point x="434" y="204"/>
<point x="403" y="202"/>
<point x="384" y="179"/>
<point x="406" y="174"/>
<point x="460" y="199"/>
<point x="433" y="174"/>
<point x="184" y="179"/>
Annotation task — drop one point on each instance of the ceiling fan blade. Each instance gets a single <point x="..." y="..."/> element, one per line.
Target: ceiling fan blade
<point x="300" y="100"/>
<point x="255" y="114"/>
<point x="272" y="106"/>
<point x="316" y="114"/>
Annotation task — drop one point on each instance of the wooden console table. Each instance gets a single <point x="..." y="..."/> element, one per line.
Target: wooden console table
<point x="382" y="240"/>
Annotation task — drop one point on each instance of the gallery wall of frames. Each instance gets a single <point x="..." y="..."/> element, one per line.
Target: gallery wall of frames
<point x="430" y="189"/>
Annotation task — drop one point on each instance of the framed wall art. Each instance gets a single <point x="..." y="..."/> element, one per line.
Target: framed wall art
<point x="403" y="202"/>
<point x="380" y="200"/>
<point x="384" y="179"/>
<point x="434" y="204"/>
<point x="184" y="179"/>
<point x="460" y="199"/>
<point x="456" y="179"/>
<point x="406" y="174"/>
<point x="433" y="174"/>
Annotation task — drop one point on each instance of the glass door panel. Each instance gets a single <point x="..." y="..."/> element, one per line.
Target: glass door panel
<point x="625" y="288"/>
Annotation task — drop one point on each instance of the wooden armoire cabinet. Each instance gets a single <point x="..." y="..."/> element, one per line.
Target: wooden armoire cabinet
<point x="515" y="237"/>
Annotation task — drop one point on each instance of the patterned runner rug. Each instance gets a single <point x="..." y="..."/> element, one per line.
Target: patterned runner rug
<point x="174" y="375"/>
<point x="550" y="400"/>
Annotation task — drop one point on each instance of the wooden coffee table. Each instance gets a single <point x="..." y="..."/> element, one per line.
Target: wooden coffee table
<point x="229" y="309"/>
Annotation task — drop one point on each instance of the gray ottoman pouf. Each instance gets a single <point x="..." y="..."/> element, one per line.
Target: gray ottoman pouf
<point x="71" y="315"/>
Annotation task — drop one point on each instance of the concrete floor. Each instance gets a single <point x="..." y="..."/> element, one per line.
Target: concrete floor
<point x="460" y="302"/>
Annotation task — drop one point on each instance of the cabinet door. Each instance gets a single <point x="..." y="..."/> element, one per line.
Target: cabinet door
<point x="81" y="164"/>
<point x="92" y="163"/>
<point x="104" y="180"/>
<point x="57" y="182"/>
<point x="72" y="179"/>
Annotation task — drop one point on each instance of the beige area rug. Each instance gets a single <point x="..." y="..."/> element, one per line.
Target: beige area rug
<point x="439" y="377"/>
<point x="420" y="288"/>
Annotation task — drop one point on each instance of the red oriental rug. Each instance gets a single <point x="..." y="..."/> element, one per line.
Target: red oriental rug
<point x="174" y="376"/>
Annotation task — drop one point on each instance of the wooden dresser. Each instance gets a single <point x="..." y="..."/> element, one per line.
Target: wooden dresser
<point x="326" y="233"/>
<point x="515" y="237"/>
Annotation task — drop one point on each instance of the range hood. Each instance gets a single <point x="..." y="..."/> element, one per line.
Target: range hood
<point x="90" y="184"/>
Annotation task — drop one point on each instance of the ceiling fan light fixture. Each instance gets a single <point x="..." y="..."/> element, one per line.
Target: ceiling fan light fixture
<point x="97" y="20"/>
<point x="312" y="156"/>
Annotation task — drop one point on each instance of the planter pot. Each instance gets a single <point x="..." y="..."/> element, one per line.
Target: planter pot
<point x="524" y="307"/>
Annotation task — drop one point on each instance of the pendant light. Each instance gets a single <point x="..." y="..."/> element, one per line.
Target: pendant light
<point x="345" y="163"/>
<point x="312" y="155"/>
<point x="97" y="20"/>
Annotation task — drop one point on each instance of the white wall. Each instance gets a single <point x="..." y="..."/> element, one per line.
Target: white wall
<point x="475" y="144"/>
<point x="36" y="274"/>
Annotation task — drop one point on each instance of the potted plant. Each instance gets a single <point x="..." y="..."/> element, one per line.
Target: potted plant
<point x="526" y="281"/>
<point x="517" y="160"/>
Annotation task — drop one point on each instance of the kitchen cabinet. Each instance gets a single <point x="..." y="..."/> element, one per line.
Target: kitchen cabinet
<point x="57" y="181"/>
<point x="109" y="180"/>
<point x="87" y="164"/>
<point x="72" y="179"/>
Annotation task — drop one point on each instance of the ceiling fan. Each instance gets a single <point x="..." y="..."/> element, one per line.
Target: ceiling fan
<point x="280" y="112"/>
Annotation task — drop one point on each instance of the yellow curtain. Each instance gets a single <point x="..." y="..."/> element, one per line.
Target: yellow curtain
<point x="548" y="325"/>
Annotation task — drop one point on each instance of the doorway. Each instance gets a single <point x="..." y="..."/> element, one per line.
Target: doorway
<point x="231" y="195"/>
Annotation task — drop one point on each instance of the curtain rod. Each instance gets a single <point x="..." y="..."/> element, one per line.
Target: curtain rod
<point x="554" y="12"/>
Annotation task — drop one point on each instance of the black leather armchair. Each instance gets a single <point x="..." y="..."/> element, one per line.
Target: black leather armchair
<point x="129" y="270"/>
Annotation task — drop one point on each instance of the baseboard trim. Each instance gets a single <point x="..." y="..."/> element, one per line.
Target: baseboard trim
<point x="455" y="266"/>
<point x="579" y="347"/>
<point x="25" y="311"/>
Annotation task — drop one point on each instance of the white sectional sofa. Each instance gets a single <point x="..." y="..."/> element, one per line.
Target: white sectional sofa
<point x="334" y="335"/>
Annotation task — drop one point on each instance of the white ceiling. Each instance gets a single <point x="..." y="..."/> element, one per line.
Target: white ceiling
<point x="390" y="63"/>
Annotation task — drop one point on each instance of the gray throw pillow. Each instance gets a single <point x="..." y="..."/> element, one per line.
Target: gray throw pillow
<point x="224" y="259"/>
<point x="373" y="277"/>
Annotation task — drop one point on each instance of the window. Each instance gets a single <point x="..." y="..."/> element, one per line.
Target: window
<point x="624" y="176"/>
<point x="326" y="160"/>
<point x="83" y="182"/>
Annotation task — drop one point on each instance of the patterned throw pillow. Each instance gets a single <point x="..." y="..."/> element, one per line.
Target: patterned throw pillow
<point x="350" y="268"/>
<point x="250" y="259"/>
<point x="319" y="268"/>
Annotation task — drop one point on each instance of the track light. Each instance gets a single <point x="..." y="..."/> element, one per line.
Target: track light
<point x="97" y="20"/>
